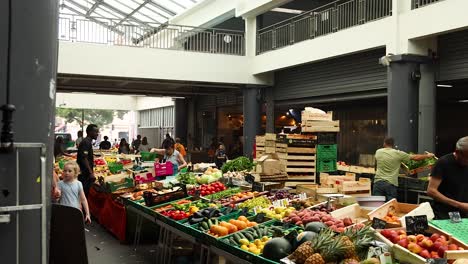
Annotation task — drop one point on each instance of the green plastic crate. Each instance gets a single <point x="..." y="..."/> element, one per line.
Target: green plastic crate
<point x="148" y="156"/>
<point x="115" y="167"/>
<point x="457" y="230"/>
<point x="326" y="165"/>
<point x="325" y="152"/>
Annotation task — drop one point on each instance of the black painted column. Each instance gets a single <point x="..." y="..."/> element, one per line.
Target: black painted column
<point x="403" y="100"/>
<point x="270" y="110"/>
<point x="252" y="104"/>
<point x="427" y="108"/>
<point x="181" y="119"/>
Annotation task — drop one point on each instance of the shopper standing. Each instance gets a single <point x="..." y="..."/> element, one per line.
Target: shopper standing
<point x="180" y="147"/>
<point x="85" y="158"/>
<point x="388" y="162"/>
<point x="144" y="147"/>
<point x="171" y="155"/>
<point x="105" y="144"/>
<point x="448" y="185"/>
<point x="79" y="139"/>
<point x="220" y="156"/>
<point x="72" y="193"/>
<point x="136" y="144"/>
<point x="124" y="147"/>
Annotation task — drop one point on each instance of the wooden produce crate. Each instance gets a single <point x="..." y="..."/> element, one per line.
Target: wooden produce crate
<point x="417" y="170"/>
<point x="308" y="189"/>
<point x="336" y="181"/>
<point x="392" y="206"/>
<point x="354" y="211"/>
<point x="281" y="148"/>
<point x="270" y="136"/>
<point x="355" y="188"/>
<point x="270" y="143"/>
<point x="260" y="140"/>
<point x="321" y="126"/>
<point x="345" y="168"/>
<point x="361" y="170"/>
<point x="316" y="117"/>
<point x="301" y="163"/>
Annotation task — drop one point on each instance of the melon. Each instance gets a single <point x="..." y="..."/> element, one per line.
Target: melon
<point x="303" y="237"/>
<point x="276" y="249"/>
<point x="315" y="227"/>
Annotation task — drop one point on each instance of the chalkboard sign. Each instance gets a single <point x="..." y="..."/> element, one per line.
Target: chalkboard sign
<point x="436" y="261"/>
<point x="416" y="224"/>
<point x="260" y="218"/>
<point x="258" y="187"/>
<point x="249" y="178"/>
<point x="455" y="217"/>
<point x="378" y="223"/>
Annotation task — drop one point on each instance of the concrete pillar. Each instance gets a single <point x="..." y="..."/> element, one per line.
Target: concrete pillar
<point x="32" y="51"/>
<point x="403" y="100"/>
<point x="270" y="110"/>
<point x="192" y="119"/>
<point x="181" y="119"/>
<point x="252" y="104"/>
<point x="427" y="109"/>
<point x="250" y="36"/>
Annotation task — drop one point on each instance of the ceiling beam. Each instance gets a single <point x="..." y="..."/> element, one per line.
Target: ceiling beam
<point x="93" y="7"/>
<point x="178" y="4"/>
<point x="105" y="25"/>
<point x="131" y="13"/>
<point x="70" y="88"/>
<point x="120" y="12"/>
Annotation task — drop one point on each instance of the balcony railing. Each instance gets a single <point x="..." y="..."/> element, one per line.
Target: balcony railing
<point x="160" y="36"/>
<point x="321" y="21"/>
<point x="421" y="3"/>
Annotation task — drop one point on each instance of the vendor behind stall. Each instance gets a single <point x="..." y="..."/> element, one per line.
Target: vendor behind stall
<point x="388" y="162"/>
<point x="448" y="185"/>
<point x="171" y="155"/>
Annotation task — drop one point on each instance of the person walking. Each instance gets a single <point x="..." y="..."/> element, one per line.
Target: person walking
<point x="85" y="158"/>
<point x="448" y="185"/>
<point x="388" y="162"/>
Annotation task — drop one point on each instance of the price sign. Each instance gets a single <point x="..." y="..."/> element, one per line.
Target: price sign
<point x="455" y="217"/>
<point x="378" y="223"/>
<point x="436" y="261"/>
<point x="416" y="224"/>
<point x="249" y="178"/>
<point x="258" y="187"/>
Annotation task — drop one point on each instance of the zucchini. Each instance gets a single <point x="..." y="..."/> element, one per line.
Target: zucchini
<point x="216" y="222"/>
<point x="233" y="242"/>
<point x="210" y="223"/>
<point x="241" y="234"/>
<point x="204" y="225"/>
<point x="236" y="237"/>
<point x="249" y="237"/>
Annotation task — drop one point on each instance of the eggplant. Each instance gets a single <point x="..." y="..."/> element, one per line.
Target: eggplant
<point x="198" y="214"/>
<point x="196" y="220"/>
<point x="206" y="212"/>
<point x="213" y="213"/>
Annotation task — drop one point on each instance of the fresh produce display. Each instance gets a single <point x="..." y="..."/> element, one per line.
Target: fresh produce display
<point x="186" y="178"/>
<point x="414" y="164"/>
<point x="261" y="202"/>
<point x="99" y="162"/>
<point x="219" y="229"/>
<point x="424" y="246"/>
<point x="277" y="213"/>
<point x="300" y="204"/>
<point x="176" y="214"/>
<point x="238" y="164"/>
<point x="220" y="195"/>
<point x="171" y="206"/>
<point x="207" y="189"/>
<point x="255" y="247"/>
<point x="306" y="216"/>
<point x="391" y="218"/>
<point x="199" y="216"/>
<point x="282" y="194"/>
<point x="238" y="175"/>
<point x="210" y="175"/>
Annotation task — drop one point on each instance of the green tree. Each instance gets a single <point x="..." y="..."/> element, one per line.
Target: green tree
<point x="91" y="116"/>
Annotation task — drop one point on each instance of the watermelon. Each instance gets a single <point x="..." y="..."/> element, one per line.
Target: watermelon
<point x="303" y="237"/>
<point x="276" y="249"/>
<point x="315" y="227"/>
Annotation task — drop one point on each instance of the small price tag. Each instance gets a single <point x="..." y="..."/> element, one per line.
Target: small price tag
<point x="378" y="223"/>
<point x="455" y="217"/>
<point x="416" y="224"/>
<point x="436" y="261"/>
<point x="258" y="187"/>
<point x="260" y="218"/>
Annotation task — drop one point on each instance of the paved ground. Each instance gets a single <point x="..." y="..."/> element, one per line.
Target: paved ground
<point x="103" y="248"/>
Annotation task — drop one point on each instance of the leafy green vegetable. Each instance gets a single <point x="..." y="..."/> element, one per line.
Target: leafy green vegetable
<point x="186" y="178"/>
<point x="222" y="194"/>
<point x="239" y="164"/>
<point x="414" y="164"/>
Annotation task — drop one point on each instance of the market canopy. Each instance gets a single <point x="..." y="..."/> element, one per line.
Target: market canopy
<point x="134" y="12"/>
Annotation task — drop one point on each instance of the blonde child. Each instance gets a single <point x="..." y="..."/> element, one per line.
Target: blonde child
<point x="71" y="189"/>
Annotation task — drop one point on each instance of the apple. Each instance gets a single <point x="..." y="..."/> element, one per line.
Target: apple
<point x="385" y="233"/>
<point x="452" y="247"/>
<point x="436" y="245"/>
<point x="434" y="237"/>
<point x="434" y="254"/>
<point x="425" y="254"/>
<point x="420" y="237"/>
<point x="401" y="232"/>
<point x="412" y="239"/>
<point x="415" y="248"/>
<point x="442" y="250"/>
<point x="404" y="243"/>
<point x="394" y="238"/>
<point x="427" y="243"/>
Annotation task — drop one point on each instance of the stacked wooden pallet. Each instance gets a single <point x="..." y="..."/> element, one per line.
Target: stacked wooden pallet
<point x="260" y="146"/>
<point x="313" y="122"/>
<point x="299" y="156"/>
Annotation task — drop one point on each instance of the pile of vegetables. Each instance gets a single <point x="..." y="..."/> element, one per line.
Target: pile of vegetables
<point x="261" y="202"/>
<point x="210" y="175"/>
<point x="414" y="164"/>
<point x="223" y="194"/>
<point x="186" y="178"/>
<point x="219" y="229"/>
<point x="238" y="164"/>
<point x="207" y="189"/>
<point x="204" y="215"/>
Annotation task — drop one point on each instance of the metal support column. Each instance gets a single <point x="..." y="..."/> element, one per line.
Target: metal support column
<point x="403" y="100"/>
<point x="181" y="120"/>
<point x="252" y="104"/>
<point x="270" y="110"/>
<point x="427" y="109"/>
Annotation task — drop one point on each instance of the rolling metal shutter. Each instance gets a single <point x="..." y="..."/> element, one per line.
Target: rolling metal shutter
<point x="453" y="56"/>
<point x="352" y="74"/>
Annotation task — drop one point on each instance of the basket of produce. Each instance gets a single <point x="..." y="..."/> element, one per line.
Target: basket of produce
<point x="152" y="199"/>
<point x="417" y="166"/>
<point x="392" y="212"/>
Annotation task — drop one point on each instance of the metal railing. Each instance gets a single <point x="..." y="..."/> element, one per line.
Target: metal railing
<point x="321" y="21"/>
<point x="160" y="36"/>
<point x="421" y="3"/>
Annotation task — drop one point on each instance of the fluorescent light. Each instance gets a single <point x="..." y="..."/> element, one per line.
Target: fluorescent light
<point x="134" y="95"/>
<point x="287" y="10"/>
<point x="83" y="93"/>
<point x="445" y="85"/>
<point x="463" y="101"/>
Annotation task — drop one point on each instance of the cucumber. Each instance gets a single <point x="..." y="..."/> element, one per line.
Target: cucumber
<point x="210" y="223"/>
<point x="204" y="226"/>
<point x="216" y="222"/>
<point x="241" y="234"/>
<point x="236" y="237"/>
<point x="254" y="234"/>
<point x="232" y="241"/>
<point x="249" y="237"/>
<point x="265" y="231"/>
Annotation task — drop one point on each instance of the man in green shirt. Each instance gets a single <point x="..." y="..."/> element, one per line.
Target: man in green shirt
<point x="388" y="161"/>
